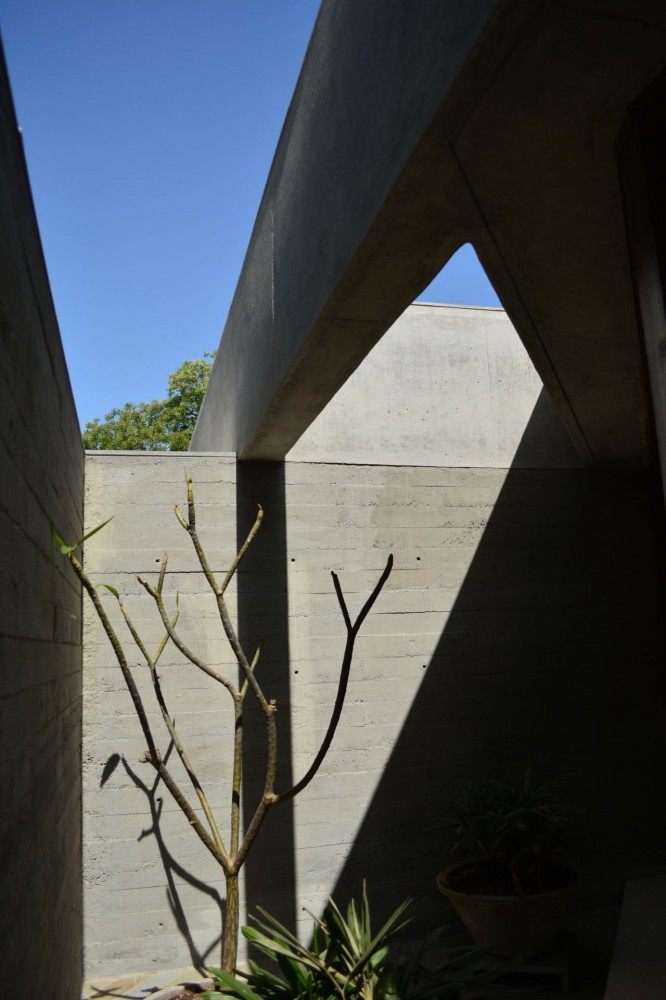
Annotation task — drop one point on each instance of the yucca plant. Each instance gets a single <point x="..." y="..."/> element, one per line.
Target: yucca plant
<point x="346" y="960"/>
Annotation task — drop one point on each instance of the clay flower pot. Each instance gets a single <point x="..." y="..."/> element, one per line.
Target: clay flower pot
<point x="512" y="925"/>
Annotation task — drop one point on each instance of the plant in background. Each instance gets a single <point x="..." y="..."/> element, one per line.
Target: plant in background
<point x="230" y="852"/>
<point x="512" y="840"/>
<point x="158" y="425"/>
<point x="346" y="960"/>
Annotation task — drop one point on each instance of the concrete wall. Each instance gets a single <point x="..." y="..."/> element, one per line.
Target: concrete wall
<point x="129" y="924"/>
<point x="520" y="627"/>
<point x="41" y="481"/>
<point x="446" y="386"/>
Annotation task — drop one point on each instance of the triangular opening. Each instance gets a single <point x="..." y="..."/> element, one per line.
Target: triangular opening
<point x="462" y="281"/>
<point x="449" y="384"/>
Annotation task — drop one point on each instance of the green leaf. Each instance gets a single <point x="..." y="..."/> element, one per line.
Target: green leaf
<point x="392" y="926"/>
<point x="84" y="538"/>
<point x="107" y="586"/>
<point x="60" y="542"/>
<point x="293" y="973"/>
<point x="67" y="549"/>
<point x="231" y="983"/>
<point x="274" y="948"/>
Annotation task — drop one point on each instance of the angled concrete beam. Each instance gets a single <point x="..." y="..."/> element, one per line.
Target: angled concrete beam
<point x="414" y="128"/>
<point x="351" y="226"/>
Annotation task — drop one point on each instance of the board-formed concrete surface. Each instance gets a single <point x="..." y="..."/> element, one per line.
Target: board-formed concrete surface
<point x="638" y="966"/>
<point x="519" y="626"/>
<point x="448" y="386"/>
<point x="415" y="128"/>
<point x="374" y="75"/>
<point x="41" y="482"/>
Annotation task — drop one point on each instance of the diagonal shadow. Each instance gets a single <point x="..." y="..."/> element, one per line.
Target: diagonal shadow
<point x="552" y="658"/>
<point x="263" y="615"/>
<point x="172" y="868"/>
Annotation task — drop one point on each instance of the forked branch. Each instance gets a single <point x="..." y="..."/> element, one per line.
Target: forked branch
<point x="170" y="723"/>
<point x="230" y="860"/>
<point x="156" y="594"/>
<point x="190" y="525"/>
<point x="153" y="755"/>
<point x="352" y="632"/>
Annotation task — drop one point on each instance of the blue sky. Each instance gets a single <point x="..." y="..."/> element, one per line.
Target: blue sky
<point x="149" y="128"/>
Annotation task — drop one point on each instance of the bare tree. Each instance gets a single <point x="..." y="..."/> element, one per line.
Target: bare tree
<point x="232" y="855"/>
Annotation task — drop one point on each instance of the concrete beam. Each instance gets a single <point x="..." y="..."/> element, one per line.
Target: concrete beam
<point x="418" y="127"/>
<point x="351" y="224"/>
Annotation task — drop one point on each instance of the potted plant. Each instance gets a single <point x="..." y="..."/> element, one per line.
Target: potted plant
<point x="512" y="886"/>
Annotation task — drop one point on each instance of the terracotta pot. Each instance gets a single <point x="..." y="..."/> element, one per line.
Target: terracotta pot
<point x="512" y="925"/>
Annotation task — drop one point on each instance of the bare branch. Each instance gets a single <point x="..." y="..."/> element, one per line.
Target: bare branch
<point x="244" y="547"/>
<point x="239" y="653"/>
<point x="163" y="566"/>
<point x="178" y="642"/>
<point x="219" y="597"/>
<point x="365" y="610"/>
<point x="192" y="818"/>
<point x="232" y="860"/>
<point x="253" y="665"/>
<point x="269" y="798"/>
<point x="237" y="777"/>
<point x="352" y="632"/>
<point x="165" y="638"/>
<point x="190" y="527"/>
<point x="341" y="601"/>
<point x="120" y="655"/>
<point x="153" y="756"/>
<point x="170" y="725"/>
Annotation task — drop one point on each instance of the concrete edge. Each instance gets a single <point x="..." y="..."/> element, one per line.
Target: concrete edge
<point x="103" y="453"/>
<point x="454" y="305"/>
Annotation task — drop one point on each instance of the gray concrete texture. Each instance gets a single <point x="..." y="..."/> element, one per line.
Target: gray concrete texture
<point x="519" y="628"/>
<point x="41" y="482"/>
<point x="447" y="386"/>
<point x="415" y="128"/>
<point x="637" y="969"/>
<point x="129" y="923"/>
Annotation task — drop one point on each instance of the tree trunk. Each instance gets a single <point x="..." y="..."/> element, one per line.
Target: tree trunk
<point x="231" y="920"/>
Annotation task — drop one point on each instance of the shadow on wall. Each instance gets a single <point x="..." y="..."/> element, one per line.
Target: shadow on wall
<point x="551" y="658"/>
<point x="173" y="870"/>
<point x="263" y="615"/>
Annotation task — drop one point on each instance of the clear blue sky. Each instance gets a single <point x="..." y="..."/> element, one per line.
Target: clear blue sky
<point x="149" y="128"/>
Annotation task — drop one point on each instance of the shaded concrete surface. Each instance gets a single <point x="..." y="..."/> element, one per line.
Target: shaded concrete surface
<point x="551" y="658"/>
<point x="494" y="124"/>
<point x="539" y="156"/>
<point x="642" y="159"/>
<point x="41" y="484"/>
<point x="521" y="626"/>
<point x="638" y="967"/>
<point x="263" y="617"/>
<point x="373" y="77"/>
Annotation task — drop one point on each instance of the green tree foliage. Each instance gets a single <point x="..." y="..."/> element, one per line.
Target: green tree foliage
<point x="159" y="425"/>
